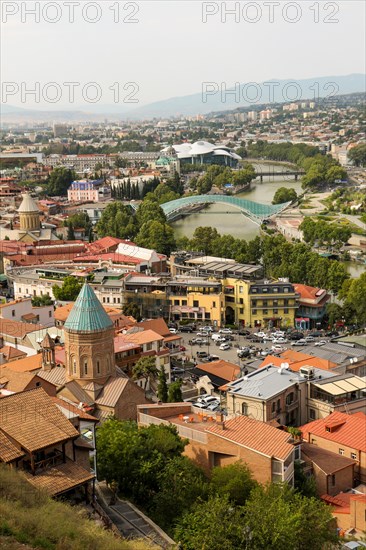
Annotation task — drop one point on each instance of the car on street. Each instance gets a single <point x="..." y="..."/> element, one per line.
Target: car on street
<point x="214" y="406"/>
<point x="278" y="349"/>
<point x="208" y="399"/>
<point x="332" y="333"/>
<point x="177" y="370"/>
<point x="268" y="337"/>
<point x="219" y="339"/>
<point x="317" y="333"/>
<point x="295" y="336"/>
<point x="301" y="342"/>
<point x="310" y="338"/>
<point x="243" y="332"/>
<point x="201" y="354"/>
<point x="256" y="339"/>
<point x="203" y="333"/>
<point x="182" y="348"/>
<point x="225" y="346"/>
<point x="186" y="328"/>
<point x="225" y="331"/>
<point x="320" y="343"/>
<point x="260" y="335"/>
<point x="207" y="329"/>
<point x="173" y="330"/>
<point x="199" y="405"/>
<point x="279" y="340"/>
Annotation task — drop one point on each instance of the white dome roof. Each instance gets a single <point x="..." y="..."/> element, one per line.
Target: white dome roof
<point x="28" y="204"/>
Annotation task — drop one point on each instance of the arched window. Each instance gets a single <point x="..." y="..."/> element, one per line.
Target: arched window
<point x="73" y="364"/>
<point x="84" y="364"/>
<point x="98" y="366"/>
<point x="244" y="409"/>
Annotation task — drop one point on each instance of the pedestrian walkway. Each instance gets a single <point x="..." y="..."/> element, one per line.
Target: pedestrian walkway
<point x="130" y="521"/>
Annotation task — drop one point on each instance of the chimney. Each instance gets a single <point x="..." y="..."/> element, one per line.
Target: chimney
<point x="220" y="421"/>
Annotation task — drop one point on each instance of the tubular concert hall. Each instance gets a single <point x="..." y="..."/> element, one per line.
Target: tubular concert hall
<point x="203" y="152"/>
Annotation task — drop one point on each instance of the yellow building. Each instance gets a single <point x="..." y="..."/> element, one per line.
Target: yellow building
<point x="200" y="301"/>
<point x="260" y="304"/>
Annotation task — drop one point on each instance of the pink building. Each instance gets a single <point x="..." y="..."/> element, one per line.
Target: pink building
<point x="84" y="190"/>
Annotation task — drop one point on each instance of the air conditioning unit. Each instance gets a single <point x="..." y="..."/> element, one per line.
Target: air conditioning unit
<point x="307" y="372"/>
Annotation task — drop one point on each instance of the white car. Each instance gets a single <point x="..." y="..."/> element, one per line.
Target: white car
<point x="173" y="330"/>
<point x="224" y="347"/>
<point x="279" y="334"/>
<point x="279" y="340"/>
<point x="268" y="337"/>
<point x="278" y="349"/>
<point x="209" y="399"/>
<point x="320" y="343"/>
<point x="204" y="334"/>
<point x="207" y="329"/>
<point x="260" y="334"/>
<point x="225" y="331"/>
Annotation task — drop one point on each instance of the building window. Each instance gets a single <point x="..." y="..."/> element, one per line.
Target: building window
<point x="312" y="414"/>
<point x="85" y="367"/>
<point x="341" y="451"/>
<point x="241" y="311"/>
<point x="254" y="291"/>
<point x="184" y="303"/>
<point x="286" y="289"/>
<point x="265" y="311"/>
<point x="244" y="409"/>
<point x="254" y="303"/>
<point x="265" y="303"/>
<point x="278" y="405"/>
<point x="149" y="346"/>
<point x="290" y="398"/>
<point x="254" y="312"/>
<point x="285" y="310"/>
<point x="275" y="303"/>
<point x="273" y="406"/>
<point x="213" y="304"/>
<point x="13" y="312"/>
<point x="333" y="480"/>
<point x="20" y="290"/>
<point x="195" y="303"/>
<point x="354" y="456"/>
<point x="98" y="367"/>
<point x="275" y="289"/>
<point x="176" y="302"/>
<point x="275" y="311"/>
<point x="50" y="314"/>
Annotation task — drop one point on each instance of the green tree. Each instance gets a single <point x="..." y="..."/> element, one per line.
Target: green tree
<point x="150" y="211"/>
<point x="305" y="485"/>
<point x="280" y="518"/>
<point x="175" y="392"/>
<point x="284" y="194"/>
<point x="203" y="239"/>
<point x="132" y="310"/>
<point x="235" y="481"/>
<point x="335" y="173"/>
<point x="358" y="154"/>
<point x="215" y="525"/>
<point x="162" y="385"/>
<point x="44" y="300"/>
<point x="156" y="235"/>
<point x="181" y="484"/>
<point x="59" y="181"/>
<point x="69" y="290"/>
<point x="353" y="293"/>
<point x="145" y="368"/>
<point x="70" y="232"/>
<point x="117" y="220"/>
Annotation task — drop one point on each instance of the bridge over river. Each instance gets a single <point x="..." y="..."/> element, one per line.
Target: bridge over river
<point x="253" y="210"/>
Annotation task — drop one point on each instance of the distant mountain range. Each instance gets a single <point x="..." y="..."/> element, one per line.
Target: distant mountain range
<point x="271" y="91"/>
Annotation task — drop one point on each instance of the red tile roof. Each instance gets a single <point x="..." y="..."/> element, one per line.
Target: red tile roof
<point x="346" y="429"/>
<point x="255" y="435"/>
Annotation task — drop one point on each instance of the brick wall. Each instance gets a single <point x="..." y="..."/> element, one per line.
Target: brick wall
<point x="324" y="483"/>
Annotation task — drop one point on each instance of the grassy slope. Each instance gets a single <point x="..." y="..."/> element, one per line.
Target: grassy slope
<point x="30" y="517"/>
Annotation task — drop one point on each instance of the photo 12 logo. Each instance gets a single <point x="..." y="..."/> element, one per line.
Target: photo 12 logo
<point x="70" y="12"/>
<point x="266" y="92"/>
<point x="269" y="12"/>
<point x="69" y="92"/>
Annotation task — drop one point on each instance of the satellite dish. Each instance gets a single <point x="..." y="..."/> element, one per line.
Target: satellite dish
<point x="285" y="366"/>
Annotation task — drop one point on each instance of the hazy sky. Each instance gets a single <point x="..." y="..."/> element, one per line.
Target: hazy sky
<point x="170" y="51"/>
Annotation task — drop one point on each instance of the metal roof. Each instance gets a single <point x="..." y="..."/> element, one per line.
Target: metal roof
<point x="88" y="314"/>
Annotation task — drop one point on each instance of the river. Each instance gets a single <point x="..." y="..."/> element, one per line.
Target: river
<point x="235" y="223"/>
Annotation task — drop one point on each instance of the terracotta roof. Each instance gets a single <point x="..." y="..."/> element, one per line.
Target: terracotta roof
<point x="327" y="461"/>
<point x="308" y="360"/>
<point x="310" y="293"/>
<point x="56" y="376"/>
<point x="60" y="478"/>
<point x="62" y="313"/>
<point x="72" y="407"/>
<point x="143" y="337"/>
<point x="255" y="435"/>
<point x="157" y="325"/>
<point x="17" y="329"/>
<point x="9" y="353"/>
<point x="112" y="391"/>
<point x="223" y="369"/>
<point x="15" y="381"/>
<point x="29" y="363"/>
<point x="31" y="419"/>
<point x="47" y="342"/>
<point x="345" y="429"/>
<point x="78" y="392"/>
<point x="8" y="451"/>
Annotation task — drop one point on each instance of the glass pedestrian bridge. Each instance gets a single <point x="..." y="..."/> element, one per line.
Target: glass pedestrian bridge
<point x="253" y="210"/>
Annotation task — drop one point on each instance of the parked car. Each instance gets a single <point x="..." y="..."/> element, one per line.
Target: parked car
<point x="255" y="338"/>
<point x="265" y="352"/>
<point x="199" y="341"/>
<point x="279" y="340"/>
<point x="295" y="335"/>
<point x="199" y="405"/>
<point x="225" y="331"/>
<point x="173" y="330"/>
<point x="208" y="329"/>
<point x="301" y="342"/>
<point x="268" y="337"/>
<point x="208" y="399"/>
<point x="260" y="335"/>
<point x="225" y="346"/>
<point x="177" y="370"/>
<point x="317" y="333"/>
<point x="278" y="349"/>
<point x="210" y="358"/>
<point x="310" y="338"/>
<point x="186" y="328"/>
<point x="214" y="406"/>
<point x="201" y="354"/>
<point x="182" y="348"/>
<point x="332" y="333"/>
<point x="203" y="333"/>
<point x="243" y="332"/>
<point x="320" y="343"/>
<point x="219" y="339"/>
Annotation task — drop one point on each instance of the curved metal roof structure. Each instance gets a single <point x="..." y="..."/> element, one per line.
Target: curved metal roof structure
<point x="253" y="210"/>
